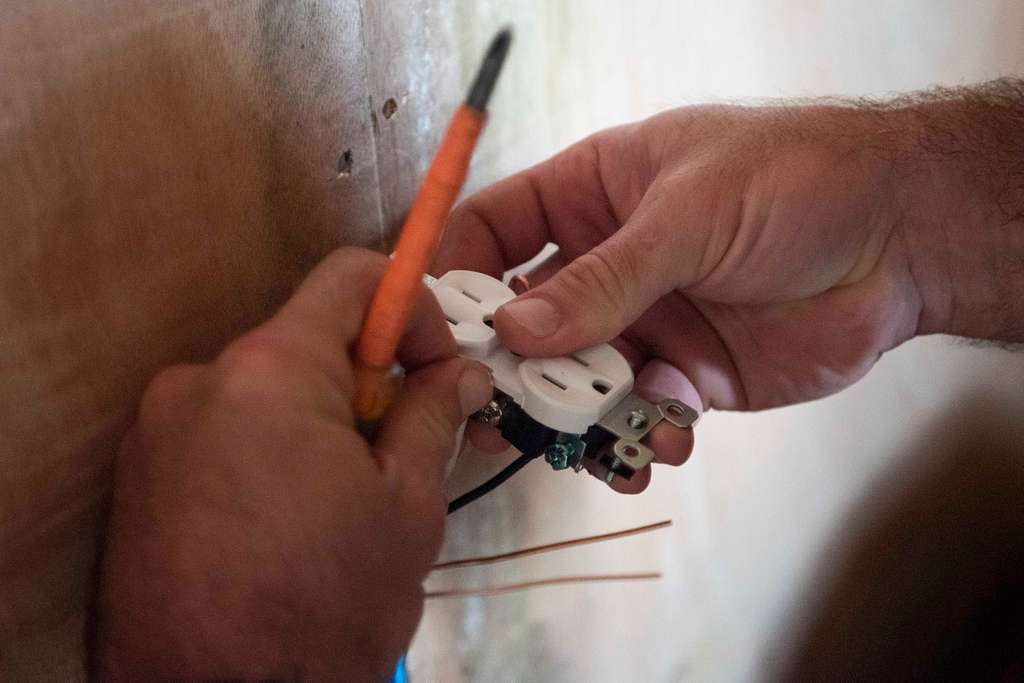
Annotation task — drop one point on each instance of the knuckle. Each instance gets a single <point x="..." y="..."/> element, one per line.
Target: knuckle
<point x="248" y="369"/>
<point x="347" y="274"/>
<point x="168" y="393"/>
<point x="597" y="274"/>
<point x="355" y="260"/>
<point x="465" y="213"/>
<point x="346" y="267"/>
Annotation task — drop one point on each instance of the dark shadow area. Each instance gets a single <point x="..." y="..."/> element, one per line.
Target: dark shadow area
<point x="928" y="584"/>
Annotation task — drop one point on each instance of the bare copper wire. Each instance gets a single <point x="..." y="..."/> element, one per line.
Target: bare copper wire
<point x="519" y="284"/>
<point x="549" y="547"/>
<point x="527" y="585"/>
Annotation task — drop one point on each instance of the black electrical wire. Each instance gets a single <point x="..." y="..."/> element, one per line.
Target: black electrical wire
<point x="492" y="483"/>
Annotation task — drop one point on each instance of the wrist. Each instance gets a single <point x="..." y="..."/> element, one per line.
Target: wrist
<point x="961" y="190"/>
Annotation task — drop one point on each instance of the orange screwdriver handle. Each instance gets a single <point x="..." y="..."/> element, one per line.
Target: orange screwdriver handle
<point x="395" y="297"/>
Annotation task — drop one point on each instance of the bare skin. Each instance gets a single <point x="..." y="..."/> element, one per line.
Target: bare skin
<point x="254" y="533"/>
<point x="742" y="258"/>
<point x="765" y="256"/>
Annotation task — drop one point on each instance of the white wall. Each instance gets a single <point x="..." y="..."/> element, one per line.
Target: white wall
<point x="764" y="492"/>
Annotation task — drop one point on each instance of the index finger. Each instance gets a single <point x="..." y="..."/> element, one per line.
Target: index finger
<point x="322" y="320"/>
<point x="569" y="200"/>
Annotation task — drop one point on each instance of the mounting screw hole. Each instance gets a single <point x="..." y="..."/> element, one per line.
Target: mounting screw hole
<point x="345" y="164"/>
<point x="601" y="387"/>
<point x="631" y="451"/>
<point x="674" y="410"/>
<point x="489" y="321"/>
<point x="390" y="107"/>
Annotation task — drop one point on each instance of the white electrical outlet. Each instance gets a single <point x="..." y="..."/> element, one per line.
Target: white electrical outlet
<point x="568" y="394"/>
<point x="578" y="411"/>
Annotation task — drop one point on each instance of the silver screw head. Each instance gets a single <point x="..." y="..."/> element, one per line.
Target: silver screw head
<point x="637" y="419"/>
<point x="490" y="414"/>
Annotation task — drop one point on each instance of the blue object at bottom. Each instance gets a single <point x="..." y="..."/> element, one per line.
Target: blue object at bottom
<point x="401" y="675"/>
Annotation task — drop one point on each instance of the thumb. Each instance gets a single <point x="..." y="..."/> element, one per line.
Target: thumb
<point x="417" y="436"/>
<point x="592" y="299"/>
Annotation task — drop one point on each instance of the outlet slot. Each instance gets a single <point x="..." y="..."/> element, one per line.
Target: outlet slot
<point x="554" y="381"/>
<point x="589" y="382"/>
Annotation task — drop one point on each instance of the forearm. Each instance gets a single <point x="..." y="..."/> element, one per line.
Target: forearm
<point x="964" y="210"/>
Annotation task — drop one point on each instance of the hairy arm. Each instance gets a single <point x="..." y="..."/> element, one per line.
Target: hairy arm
<point x="966" y="209"/>
<point x="770" y="254"/>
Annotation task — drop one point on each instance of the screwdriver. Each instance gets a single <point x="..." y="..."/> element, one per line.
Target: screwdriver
<point x="394" y="299"/>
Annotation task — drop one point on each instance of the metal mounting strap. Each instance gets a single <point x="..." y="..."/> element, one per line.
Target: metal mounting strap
<point x="631" y="420"/>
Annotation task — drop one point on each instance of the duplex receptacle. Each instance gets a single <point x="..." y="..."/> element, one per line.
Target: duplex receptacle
<point x="560" y="407"/>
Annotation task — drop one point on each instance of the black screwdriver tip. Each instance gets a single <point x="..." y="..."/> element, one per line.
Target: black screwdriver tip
<point x="483" y="84"/>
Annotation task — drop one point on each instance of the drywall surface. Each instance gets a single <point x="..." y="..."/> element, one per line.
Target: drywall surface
<point x="167" y="175"/>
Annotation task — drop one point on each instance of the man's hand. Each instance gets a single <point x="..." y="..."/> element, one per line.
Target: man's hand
<point x="254" y="534"/>
<point x="764" y="256"/>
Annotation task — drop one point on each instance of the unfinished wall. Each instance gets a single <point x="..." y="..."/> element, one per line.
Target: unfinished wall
<point x="166" y="174"/>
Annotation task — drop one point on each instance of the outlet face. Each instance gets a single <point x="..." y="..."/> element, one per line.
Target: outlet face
<point x="568" y="394"/>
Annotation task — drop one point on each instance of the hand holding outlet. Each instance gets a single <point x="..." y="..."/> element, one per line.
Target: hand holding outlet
<point x="576" y="410"/>
<point x="755" y="256"/>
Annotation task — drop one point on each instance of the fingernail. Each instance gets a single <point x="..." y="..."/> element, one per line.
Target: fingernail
<point x="475" y="390"/>
<point x="535" y="315"/>
<point x="660" y="380"/>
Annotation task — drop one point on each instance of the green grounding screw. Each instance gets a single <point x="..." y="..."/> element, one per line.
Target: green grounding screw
<point x="558" y="455"/>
